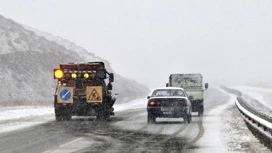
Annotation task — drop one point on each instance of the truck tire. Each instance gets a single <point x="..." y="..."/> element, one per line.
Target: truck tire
<point x="200" y="111"/>
<point x="58" y="117"/>
<point x="67" y="116"/>
<point x="62" y="114"/>
<point x="103" y="113"/>
<point x="151" y="119"/>
<point x="58" y="114"/>
<point x="99" y="116"/>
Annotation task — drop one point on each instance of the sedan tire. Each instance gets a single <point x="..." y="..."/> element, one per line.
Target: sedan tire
<point x="151" y="119"/>
<point x="186" y="119"/>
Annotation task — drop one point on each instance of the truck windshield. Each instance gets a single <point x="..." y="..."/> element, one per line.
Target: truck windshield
<point x="187" y="82"/>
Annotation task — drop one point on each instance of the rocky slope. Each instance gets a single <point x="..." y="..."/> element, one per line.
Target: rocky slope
<point x="28" y="57"/>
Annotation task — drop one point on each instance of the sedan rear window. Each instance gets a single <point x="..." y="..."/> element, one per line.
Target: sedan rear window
<point x="167" y="92"/>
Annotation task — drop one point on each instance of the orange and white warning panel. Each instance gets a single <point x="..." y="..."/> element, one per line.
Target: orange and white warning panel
<point x="94" y="94"/>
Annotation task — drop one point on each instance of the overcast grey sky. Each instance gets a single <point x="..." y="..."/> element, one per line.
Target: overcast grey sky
<point x="228" y="41"/>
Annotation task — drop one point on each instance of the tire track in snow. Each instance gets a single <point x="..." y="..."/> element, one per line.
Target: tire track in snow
<point x="199" y="135"/>
<point x="146" y="140"/>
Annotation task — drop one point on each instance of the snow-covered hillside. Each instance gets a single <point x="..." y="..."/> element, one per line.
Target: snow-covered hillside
<point x="28" y="57"/>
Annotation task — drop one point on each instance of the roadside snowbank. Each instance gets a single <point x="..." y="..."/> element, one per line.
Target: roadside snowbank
<point x="15" y="118"/>
<point x="11" y="113"/>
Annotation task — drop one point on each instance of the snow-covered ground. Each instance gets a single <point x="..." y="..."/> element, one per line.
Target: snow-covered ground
<point x="11" y="113"/>
<point x="14" y="118"/>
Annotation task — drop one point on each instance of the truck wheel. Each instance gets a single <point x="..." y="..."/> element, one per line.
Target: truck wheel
<point x="67" y="115"/>
<point x="99" y="116"/>
<point x="200" y="110"/>
<point x="62" y="114"/>
<point x="58" y="114"/>
<point x="106" y="115"/>
<point x="58" y="117"/>
<point x="200" y="113"/>
<point x="103" y="114"/>
<point x="151" y="118"/>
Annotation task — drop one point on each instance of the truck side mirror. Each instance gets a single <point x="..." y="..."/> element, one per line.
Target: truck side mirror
<point x="206" y="85"/>
<point x="111" y="79"/>
<point x="167" y="84"/>
<point x="109" y="86"/>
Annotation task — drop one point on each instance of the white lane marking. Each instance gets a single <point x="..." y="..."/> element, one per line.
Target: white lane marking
<point x="69" y="143"/>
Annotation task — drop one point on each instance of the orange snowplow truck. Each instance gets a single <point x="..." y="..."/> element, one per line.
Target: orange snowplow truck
<point x="82" y="91"/>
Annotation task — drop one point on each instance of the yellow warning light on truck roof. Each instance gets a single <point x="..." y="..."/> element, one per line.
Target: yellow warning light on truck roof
<point x="58" y="74"/>
<point x="73" y="75"/>
<point x="86" y="75"/>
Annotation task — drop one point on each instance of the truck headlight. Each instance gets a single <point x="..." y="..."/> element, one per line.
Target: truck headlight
<point x="86" y="75"/>
<point x="92" y="75"/>
<point x="73" y="75"/>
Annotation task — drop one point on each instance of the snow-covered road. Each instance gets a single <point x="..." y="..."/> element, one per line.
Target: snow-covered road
<point x="33" y="129"/>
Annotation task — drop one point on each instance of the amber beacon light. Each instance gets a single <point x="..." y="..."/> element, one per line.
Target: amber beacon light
<point x="58" y="74"/>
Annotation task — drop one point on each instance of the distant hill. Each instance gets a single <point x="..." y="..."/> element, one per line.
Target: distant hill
<point x="28" y="57"/>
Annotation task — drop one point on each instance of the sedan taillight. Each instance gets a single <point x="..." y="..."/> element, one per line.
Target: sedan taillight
<point x="152" y="103"/>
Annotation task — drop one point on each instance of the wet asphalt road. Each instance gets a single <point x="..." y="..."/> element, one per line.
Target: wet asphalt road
<point x="89" y="135"/>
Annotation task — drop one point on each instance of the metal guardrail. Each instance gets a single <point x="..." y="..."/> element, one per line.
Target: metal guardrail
<point x="259" y="124"/>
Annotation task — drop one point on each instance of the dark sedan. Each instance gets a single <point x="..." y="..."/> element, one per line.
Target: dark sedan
<point x="169" y="102"/>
